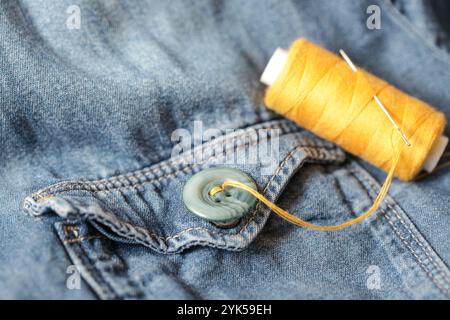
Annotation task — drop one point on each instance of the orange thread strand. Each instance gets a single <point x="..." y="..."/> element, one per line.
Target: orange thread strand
<point x="302" y="223"/>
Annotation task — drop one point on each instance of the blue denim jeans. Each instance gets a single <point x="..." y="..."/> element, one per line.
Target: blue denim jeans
<point x="89" y="183"/>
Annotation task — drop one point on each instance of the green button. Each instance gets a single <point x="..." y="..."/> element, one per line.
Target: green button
<point x="224" y="208"/>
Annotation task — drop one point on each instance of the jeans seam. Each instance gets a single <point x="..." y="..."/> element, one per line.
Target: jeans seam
<point x="419" y="242"/>
<point x="169" y="164"/>
<point x="414" y="253"/>
<point x="96" y="271"/>
<point x="280" y="166"/>
<point x="89" y="267"/>
<point x="91" y="186"/>
<point x="441" y="286"/>
<point x="99" y="275"/>
<point x="427" y="251"/>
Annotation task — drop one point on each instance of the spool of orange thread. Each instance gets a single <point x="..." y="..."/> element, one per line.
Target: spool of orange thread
<point x="319" y="91"/>
<point x="316" y="89"/>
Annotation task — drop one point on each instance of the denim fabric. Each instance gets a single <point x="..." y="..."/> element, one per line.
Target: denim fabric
<point x="87" y="175"/>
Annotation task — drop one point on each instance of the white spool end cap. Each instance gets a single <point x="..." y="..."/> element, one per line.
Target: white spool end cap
<point x="274" y="67"/>
<point x="435" y="154"/>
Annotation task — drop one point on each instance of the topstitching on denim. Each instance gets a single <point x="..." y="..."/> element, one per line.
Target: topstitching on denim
<point x="150" y="174"/>
<point x="144" y="236"/>
<point x="103" y="274"/>
<point x="411" y="238"/>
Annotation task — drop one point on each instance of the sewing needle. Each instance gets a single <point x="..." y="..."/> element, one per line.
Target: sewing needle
<point x="377" y="100"/>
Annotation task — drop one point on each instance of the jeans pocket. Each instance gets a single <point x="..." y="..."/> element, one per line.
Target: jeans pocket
<point x="146" y="207"/>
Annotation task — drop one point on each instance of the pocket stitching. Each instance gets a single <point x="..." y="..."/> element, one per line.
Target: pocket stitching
<point x="89" y="185"/>
<point x="144" y="236"/>
<point x="244" y="227"/>
<point x="427" y="251"/>
<point x="92" y="186"/>
<point x="87" y="264"/>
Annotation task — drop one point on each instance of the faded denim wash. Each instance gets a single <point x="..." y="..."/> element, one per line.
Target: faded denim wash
<point x="87" y="177"/>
